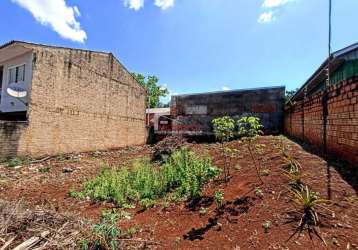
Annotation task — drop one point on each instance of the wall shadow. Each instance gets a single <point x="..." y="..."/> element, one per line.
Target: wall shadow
<point x="346" y="170"/>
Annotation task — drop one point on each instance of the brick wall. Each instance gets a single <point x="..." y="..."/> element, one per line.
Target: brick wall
<point x="80" y="101"/>
<point x="305" y="120"/>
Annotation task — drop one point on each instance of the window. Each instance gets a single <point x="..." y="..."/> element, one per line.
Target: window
<point x="17" y="74"/>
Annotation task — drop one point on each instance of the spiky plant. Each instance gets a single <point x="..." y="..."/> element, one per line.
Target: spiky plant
<point x="292" y="165"/>
<point x="309" y="202"/>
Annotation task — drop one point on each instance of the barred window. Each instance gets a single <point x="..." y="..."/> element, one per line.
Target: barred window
<point x="17" y="74"/>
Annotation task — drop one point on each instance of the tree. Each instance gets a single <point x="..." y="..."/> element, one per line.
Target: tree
<point x="154" y="91"/>
<point x="249" y="129"/>
<point x="224" y="128"/>
<point x="289" y="94"/>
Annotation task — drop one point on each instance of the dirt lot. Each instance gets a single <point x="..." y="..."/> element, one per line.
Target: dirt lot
<point x="237" y="225"/>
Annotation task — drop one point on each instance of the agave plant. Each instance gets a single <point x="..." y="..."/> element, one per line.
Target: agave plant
<point x="293" y="166"/>
<point x="295" y="178"/>
<point x="309" y="201"/>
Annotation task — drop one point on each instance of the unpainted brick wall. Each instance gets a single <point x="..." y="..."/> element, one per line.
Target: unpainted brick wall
<point x="80" y="101"/>
<point x="305" y="120"/>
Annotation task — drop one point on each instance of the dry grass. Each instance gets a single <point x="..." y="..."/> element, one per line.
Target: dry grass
<point x="18" y="224"/>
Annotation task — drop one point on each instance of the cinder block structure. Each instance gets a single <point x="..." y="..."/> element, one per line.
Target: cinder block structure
<point x="192" y="114"/>
<point x="78" y="100"/>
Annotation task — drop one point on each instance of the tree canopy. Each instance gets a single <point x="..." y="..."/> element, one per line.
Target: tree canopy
<point x="154" y="90"/>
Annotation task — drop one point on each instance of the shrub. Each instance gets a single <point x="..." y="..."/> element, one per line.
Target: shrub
<point x="219" y="198"/>
<point x="107" y="230"/>
<point x="183" y="173"/>
<point x="266" y="226"/>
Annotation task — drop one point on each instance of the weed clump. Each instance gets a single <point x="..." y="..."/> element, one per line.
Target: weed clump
<point x="183" y="175"/>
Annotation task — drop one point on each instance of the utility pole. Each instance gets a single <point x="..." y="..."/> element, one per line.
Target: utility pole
<point x="329" y="43"/>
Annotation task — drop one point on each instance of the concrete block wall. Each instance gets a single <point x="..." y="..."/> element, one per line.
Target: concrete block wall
<point x="80" y="101"/>
<point x="194" y="113"/>
<point x="335" y="125"/>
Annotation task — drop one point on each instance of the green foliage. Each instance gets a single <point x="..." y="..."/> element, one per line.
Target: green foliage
<point x="186" y="174"/>
<point x="224" y="128"/>
<point x="15" y="162"/>
<point x="249" y="127"/>
<point x="154" y="91"/>
<point x="45" y="169"/>
<point x="292" y="165"/>
<point x="107" y="231"/>
<point x="295" y="178"/>
<point x="290" y="93"/>
<point x="84" y="244"/>
<point x="219" y="198"/>
<point x="308" y="201"/>
<point x="258" y="192"/>
<point x="203" y="211"/>
<point x="147" y="203"/>
<point x="183" y="173"/>
<point x="265" y="172"/>
<point x="266" y="226"/>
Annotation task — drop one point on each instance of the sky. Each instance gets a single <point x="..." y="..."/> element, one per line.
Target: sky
<point x="192" y="45"/>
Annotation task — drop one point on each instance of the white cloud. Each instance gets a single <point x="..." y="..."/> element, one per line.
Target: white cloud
<point x="58" y="15"/>
<point x="134" y="4"/>
<point x="275" y="3"/>
<point x="266" y="17"/>
<point x="164" y="4"/>
<point x="138" y="4"/>
<point x="225" y="88"/>
<point x="269" y="16"/>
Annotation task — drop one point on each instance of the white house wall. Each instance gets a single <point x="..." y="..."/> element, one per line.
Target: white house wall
<point x="9" y="103"/>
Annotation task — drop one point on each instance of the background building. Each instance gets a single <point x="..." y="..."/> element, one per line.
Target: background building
<point x="78" y="100"/>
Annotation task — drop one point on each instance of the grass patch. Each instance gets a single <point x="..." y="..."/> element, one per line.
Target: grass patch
<point x="15" y="162"/>
<point x="183" y="175"/>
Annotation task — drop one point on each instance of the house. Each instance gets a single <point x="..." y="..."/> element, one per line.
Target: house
<point x="326" y="115"/>
<point x="76" y="100"/>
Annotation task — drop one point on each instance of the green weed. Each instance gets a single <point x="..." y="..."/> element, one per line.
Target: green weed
<point x="183" y="174"/>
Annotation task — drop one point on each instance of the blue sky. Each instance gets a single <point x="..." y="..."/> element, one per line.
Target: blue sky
<point x="192" y="45"/>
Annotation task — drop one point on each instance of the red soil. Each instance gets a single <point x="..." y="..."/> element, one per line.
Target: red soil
<point x="237" y="225"/>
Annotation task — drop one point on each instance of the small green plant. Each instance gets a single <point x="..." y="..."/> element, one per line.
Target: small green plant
<point x="224" y="128"/>
<point x="249" y="129"/>
<point x="292" y="165"/>
<point x="219" y="198"/>
<point x="132" y="231"/>
<point x="308" y="202"/>
<point x="203" y="211"/>
<point x="266" y="226"/>
<point x="107" y="231"/>
<point x="15" y="162"/>
<point x="147" y="203"/>
<point x="258" y="192"/>
<point x="295" y="180"/>
<point x="44" y="169"/>
<point x="84" y="244"/>
<point x="265" y="172"/>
